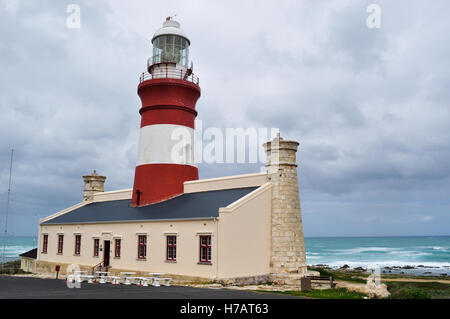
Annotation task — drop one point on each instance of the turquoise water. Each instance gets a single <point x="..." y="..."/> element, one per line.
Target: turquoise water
<point x="338" y="251"/>
<point x="382" y="251"/>
<point x="16" y="246"/>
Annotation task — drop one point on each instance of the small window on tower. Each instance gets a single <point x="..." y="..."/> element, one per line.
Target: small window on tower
<point x="138" y="197"/>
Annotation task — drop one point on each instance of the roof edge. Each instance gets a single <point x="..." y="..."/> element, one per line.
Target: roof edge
<point x="135" y="221"/>
<point x="244" y="199"/>
<point x="225" y="182"/>
<point x="62" y="212"/>
<point x="98" y="197"/>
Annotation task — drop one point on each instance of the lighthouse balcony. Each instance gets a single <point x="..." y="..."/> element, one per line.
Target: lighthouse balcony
<point x="168" y="71"/>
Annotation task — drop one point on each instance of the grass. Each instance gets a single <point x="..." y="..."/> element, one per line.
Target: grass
<point x="350" y="276"/>
<point x="418" y="290"/>
<point x="12" y="268"/>
<point x="361" y="277"/>
<point x="209" y="282"/>
<point x="400" y="276"/>
<point x="338" y="293"/>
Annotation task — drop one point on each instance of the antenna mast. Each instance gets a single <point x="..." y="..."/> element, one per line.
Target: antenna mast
<point x="7" y="208"/>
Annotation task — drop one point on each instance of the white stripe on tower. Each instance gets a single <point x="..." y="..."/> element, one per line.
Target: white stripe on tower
<point x="166" y="144"/>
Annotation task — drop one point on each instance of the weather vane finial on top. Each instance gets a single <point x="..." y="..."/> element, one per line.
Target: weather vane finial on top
<point x="170" y="17"/>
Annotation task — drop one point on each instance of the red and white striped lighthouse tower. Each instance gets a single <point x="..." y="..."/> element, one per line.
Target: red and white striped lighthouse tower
<point x="168" y="92"/>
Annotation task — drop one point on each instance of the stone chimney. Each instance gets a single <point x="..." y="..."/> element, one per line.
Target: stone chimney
<point x="288" y="256"/>
<point x="93" y="183"/>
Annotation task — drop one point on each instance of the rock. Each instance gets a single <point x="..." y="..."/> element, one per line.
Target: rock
<point x="408" y="267"/>
<point x="444" y="275"/>
<point x="375" y="290"/>
<point x="402" y="272"/>
<point x="360" y="269"/>
<point x="387" y="268"/>
<point x="427" y="273"/>
<point x="322" y="266"/>
<point x="420" y="266"/>
<point x="345" y="267"/>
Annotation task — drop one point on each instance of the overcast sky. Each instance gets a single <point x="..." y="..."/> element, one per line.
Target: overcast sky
<point x="370" y="107"/>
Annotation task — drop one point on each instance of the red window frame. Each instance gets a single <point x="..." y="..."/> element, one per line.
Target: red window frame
<point x="142" y="246"/>
<point x="96" y="246"/>
<point x="117" y="244"/>
<point x="205" y="249"/>
<point x="45" y="243"/>
<point x="60" y="244"/>
<point x="77" y="244"/>
<point x="171" y="251"/>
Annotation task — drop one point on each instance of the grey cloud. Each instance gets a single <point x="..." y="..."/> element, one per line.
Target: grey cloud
<point x="369" y="107"/>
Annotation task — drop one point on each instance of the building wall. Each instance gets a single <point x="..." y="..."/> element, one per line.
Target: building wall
<point x="27" y="264"/>
<point x="188" y="250"/>
<point x="244" y="235"/>
<point x="113" y="195"/>
<point x="243" y="241"/>
<point x="227" y="182"/>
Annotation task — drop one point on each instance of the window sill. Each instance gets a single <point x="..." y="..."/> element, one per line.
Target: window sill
<point x="78" y="255"/>
<point x="204" y="263"/>
<point x="141" y="259"/>
<point x="59" y="254"/>
<point x="116" y="257"/>
<point x="170" y="261"/>
<point x="43" y="252"/>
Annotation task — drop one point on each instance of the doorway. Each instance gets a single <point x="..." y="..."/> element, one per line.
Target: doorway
<point x="106" y="252"/>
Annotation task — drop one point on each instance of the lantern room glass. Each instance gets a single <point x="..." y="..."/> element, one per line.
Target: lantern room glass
<point x="171" y="48"/>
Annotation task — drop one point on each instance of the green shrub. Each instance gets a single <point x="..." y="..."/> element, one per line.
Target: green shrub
<point x="413" y="294"/>
<point x="338" y="293"/>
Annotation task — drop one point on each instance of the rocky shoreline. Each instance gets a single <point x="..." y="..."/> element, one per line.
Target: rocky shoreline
<point x="411" y="270"/>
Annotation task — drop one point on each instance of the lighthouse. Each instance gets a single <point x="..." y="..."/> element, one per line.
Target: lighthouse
<point x="172" y="223"/>
<point x="168" y="91"/>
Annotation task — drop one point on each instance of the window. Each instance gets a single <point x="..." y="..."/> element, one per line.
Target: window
<point x="45" y="243"/>
<point x="142" y="246"/>
<point x="172" y="248"/>
<point x="77" y="244"/>
<point x="117" y="248"/>
<point x="96" y="246"/>
<point x="205" y="249"/>
<point x="60" y="243"/>
<point x="138" y="197"/>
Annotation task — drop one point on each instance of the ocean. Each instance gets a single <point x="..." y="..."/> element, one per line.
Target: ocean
<point x="15" y="246"/>
<point x="411" y="255"/>
<point x="421" y="255"/>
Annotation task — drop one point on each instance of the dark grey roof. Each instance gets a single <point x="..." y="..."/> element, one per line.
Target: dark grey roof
<point x="30" y="254"/>
<point x="185" y="206"/>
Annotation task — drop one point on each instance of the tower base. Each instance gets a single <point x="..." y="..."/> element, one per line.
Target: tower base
<point x="168" y="182"/>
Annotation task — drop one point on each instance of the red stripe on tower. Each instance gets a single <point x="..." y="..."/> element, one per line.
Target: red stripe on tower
<point x="168" y="92"/>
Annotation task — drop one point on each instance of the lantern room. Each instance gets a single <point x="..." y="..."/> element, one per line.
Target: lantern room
<point x="170" y="45"/>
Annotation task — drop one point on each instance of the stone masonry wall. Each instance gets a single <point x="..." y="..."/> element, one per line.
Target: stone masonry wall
<point x="93" y="183"/>
<point x="288" y="247"/>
